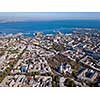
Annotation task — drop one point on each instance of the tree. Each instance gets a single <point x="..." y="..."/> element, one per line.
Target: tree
<point x="58" y="47"/>
<point x="69" y="83"/>
<point x="55" y="81"/>
<point x="54" y="84"/>
<point x="8" y="70"/>
<point x="37" y="73"/>
<point x="74" y="73"/>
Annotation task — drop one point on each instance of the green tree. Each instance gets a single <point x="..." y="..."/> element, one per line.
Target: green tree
<point x="69" y="83"/>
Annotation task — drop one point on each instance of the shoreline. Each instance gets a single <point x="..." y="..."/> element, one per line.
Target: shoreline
<point x="73" y="30"/>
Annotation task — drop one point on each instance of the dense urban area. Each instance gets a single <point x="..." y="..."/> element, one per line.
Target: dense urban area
<point x="51" y="60"/>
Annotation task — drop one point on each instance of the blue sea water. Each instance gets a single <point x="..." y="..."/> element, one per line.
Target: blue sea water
<point x="65" y="26"/>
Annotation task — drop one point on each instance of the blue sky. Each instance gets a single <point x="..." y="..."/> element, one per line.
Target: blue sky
<point x="24" y="16"/>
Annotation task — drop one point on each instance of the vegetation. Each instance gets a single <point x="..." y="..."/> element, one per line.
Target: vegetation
<point x="69" y="83"/>
<point x="58" y="47"/>
<point x="74" y="73"/>
<point x="74" y="65"/>
<point x="55" y="82"/>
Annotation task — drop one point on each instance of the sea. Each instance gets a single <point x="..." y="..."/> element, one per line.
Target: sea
<point x="47" y="27"/>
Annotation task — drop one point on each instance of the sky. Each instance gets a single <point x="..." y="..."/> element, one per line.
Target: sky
<point x="38" y="16"/>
